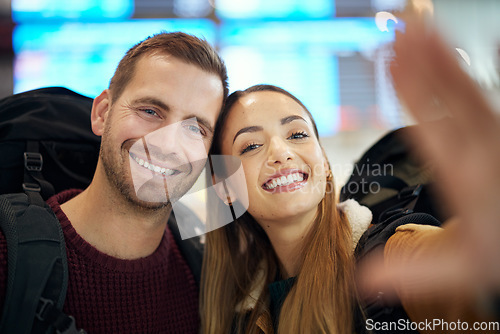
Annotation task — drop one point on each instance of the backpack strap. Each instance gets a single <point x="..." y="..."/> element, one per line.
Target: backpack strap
<point x="34" y="183"/>
<point x="37" y="266"/>
<point x="192" y="248"/>
<point x="379" y="309"/>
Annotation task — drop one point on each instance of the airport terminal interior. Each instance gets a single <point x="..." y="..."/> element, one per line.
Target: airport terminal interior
<point x="332" y="54"/>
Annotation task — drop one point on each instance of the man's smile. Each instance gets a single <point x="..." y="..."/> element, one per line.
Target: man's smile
<point x="156" y="168"/>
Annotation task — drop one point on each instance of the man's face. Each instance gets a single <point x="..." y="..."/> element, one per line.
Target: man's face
<point x="158" y="132"/>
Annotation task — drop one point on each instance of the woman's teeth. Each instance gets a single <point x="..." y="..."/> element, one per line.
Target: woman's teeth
<point x="154" y="168"/>
<point x="284" y="180"/>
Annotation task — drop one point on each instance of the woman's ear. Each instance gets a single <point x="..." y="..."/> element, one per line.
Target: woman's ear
<point x="100" y="111"/>
<point x="326" y="164"/>
<point x="225" y="192"/>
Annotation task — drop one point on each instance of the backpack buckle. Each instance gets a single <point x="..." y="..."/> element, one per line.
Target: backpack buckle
<point x="31" y="187"/>
<point x="71" y="328"/>
<point x="394" y="214"/>
<point x="63" y="324"/>
<point x="33" y="162"/>
<point x="44" y="308"/>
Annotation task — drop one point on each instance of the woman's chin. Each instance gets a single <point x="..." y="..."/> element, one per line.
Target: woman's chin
<point x="284" y="211"/>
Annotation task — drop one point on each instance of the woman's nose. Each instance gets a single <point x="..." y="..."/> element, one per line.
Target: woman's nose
<point x="279" y="151"/>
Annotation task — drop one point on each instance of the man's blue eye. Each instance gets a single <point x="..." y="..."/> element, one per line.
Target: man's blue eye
<point x="150" y="112"/>
<point x="194" y="128"/>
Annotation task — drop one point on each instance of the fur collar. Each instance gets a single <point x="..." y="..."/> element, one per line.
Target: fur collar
<point x="360" y="218"/>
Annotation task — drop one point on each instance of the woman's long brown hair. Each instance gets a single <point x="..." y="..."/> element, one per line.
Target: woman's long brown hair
<point x="239" y="255"/>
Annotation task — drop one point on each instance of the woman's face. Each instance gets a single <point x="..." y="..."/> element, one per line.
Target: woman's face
<point x="284" y="165"/>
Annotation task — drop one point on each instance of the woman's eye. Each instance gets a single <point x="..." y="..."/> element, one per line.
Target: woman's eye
<point x="298" y="135"/>
<point x="249" y="148"/>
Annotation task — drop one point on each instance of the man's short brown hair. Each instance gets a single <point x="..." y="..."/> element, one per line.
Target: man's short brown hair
<point x="185" y="47"/>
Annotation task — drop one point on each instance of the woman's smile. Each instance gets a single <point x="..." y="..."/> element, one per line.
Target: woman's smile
<point x="286" y="180"/>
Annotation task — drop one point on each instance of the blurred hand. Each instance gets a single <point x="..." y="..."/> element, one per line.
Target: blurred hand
<point x="466" y="153"/>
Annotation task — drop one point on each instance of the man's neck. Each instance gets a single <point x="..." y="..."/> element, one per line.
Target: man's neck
<point x="107" y="221"/>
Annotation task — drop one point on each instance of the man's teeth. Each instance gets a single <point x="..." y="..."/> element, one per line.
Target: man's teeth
<point x="153" y="168"/>
<point x="285" y="180"/>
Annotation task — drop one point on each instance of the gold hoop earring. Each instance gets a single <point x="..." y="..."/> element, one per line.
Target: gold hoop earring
<point x="329" y="177"/>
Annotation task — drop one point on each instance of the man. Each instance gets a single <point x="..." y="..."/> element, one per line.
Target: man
<point x="126" y="274"/>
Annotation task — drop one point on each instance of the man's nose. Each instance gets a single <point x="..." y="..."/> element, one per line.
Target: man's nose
<point x="279" y="151"/>
<point x="165" y="139"/>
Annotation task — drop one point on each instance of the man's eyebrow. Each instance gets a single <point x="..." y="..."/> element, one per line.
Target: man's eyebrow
<point x="292" y="118"/>
<point x="164" y="106"/>
<point x="248" y="129"/>
<point x="153" y="101"/>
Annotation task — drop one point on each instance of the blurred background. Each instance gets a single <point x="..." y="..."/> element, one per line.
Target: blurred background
<point x="332" y="54"/>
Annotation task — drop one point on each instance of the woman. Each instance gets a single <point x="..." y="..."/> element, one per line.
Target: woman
<point x="293" y="240"/>
<point x="286" y="265"/>
<point x="285" y="242"/>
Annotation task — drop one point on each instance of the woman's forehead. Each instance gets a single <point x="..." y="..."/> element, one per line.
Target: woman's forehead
<point x="269" y="104"/>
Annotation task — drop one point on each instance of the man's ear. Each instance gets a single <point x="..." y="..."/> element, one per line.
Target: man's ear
<point x="100" y="111"/>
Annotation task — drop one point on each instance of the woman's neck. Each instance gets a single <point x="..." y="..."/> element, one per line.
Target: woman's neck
<point x="287" y="236"/>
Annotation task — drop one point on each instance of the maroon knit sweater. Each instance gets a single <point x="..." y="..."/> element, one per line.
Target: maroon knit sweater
<point x="155" y="294"/>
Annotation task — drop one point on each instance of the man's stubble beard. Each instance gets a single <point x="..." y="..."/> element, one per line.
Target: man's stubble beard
<point x="114" y="164"/>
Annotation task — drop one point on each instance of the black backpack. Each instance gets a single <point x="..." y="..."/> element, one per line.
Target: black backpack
<point x="398" y="189"/>
<point x="47" y="146"/>
<point x="45" y="134"/>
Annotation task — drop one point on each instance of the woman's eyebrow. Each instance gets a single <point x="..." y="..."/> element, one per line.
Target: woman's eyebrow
<point x="288" y="119"/>
<point x="283" y="121"/>
<point x="248" y="129"/>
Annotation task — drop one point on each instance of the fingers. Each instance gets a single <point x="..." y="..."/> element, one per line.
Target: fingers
<point x="426" y="71"/>
<point x="429" y="79"/>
